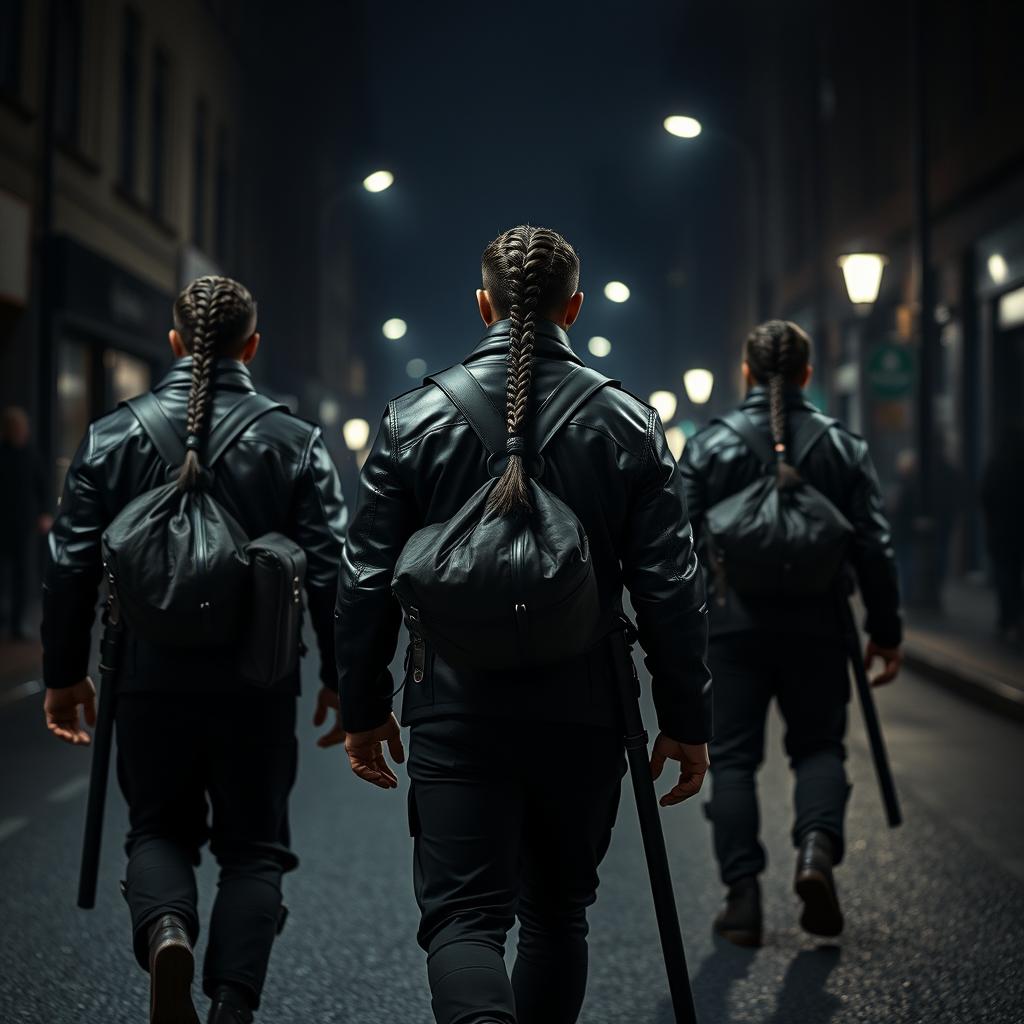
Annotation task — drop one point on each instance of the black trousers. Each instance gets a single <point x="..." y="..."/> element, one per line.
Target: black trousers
<point x="506" y="825"/>
<point x="216" y="767"/>
<point x="809" y="679"/>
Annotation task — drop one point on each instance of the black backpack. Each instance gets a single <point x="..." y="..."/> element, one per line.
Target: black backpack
<point x="502" y="592"/>
<point x="177" y="560"/>
<point x="766" y="540"/>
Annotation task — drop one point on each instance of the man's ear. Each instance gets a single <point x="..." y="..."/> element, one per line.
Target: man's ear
<point x="748" y="377"/>
<point x="177" y="345"/>
<point x="808" y="374"/>
<point x="483" y="301"/>
<point x="572" y="309"/>
<point x="249" y="349"/>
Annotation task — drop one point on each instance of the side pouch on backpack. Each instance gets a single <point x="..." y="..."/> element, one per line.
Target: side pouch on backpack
<point x="271" y="639"/>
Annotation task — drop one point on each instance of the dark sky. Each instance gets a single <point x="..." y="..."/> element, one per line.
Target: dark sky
<point x="547" y="113"/>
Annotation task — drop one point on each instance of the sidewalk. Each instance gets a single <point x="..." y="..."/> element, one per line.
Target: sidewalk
<point x="958" y="648"/>
<point x="21" y="663"/>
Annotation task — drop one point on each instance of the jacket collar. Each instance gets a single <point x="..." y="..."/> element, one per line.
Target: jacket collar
<point x="227" y="373"/>
<point x="757" y="398"/>
<point x="551" y="342"/>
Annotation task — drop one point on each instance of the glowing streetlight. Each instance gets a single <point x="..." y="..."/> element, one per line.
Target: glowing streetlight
<point x="862" y="272"/>
<point x="698" y="384"/>
<point x="329" y="411"/>
<point x="394" y="328"/>
<point x="998" y="269"/>
<point x="378" y="181"/>
<point x="682" y="127"/>
<point x="676" y="441"/>
<point x="415" y="368"/>
<point x="664" y="403"/>
<point x="616" y="291"/>
<point x="599" y="346"/>
<point x="356" y="433"/>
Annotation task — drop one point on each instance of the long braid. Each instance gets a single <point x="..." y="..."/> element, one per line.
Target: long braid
<point x="777" y="353"/>
<point x="529" y="253"/>
<point x="214" y="316"/>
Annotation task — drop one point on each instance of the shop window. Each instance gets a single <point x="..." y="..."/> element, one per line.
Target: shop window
<point x="126" y="376"/>
<point x="199" y="175"/>
<point x="158" y="138"/>
<point x="222" y="198"/>
<point x="74" y="402"/>
<point x="129" y="109"/>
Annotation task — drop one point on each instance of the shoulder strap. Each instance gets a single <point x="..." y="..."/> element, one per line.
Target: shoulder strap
<point x="153" y="420"/>
<point x="466" y="394"/>
<point x="237" y="420"/>
<point x="740" y="423"/>
<point x="811" y="431"/>
<point x="571" y="392"/>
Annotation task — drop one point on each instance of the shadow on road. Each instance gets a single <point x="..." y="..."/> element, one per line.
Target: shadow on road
<point x="802" y="998"/>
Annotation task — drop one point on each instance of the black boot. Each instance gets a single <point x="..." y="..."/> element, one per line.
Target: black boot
<point x="229" y="1006"/>
<point x="741" y="921"/>
<point x="171" y="966"/>
<point x="816" y="887"/>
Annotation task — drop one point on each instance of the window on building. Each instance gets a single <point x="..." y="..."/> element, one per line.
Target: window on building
<point x="11" y="16"/>
<point x="199" y="171"/>
<point x="158" y="138"/>
<point x="67" y="106"/>
<point x="127" y="163"/>
<point x="222" y="197"/>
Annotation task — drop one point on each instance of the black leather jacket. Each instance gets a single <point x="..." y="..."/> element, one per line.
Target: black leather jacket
<point x="716" y="464"/>
<point x="611" y="465"/>
<point x="277" y="476"/>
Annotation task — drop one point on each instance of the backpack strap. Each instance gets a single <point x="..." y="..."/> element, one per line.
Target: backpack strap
<point x="158" y="428"/>
<point x="740" y="423"/>
<point x="811" y="431"/>
<point x="569" y="395"/>
<point x="466" y="394"/>
<point x="235" y="422"/>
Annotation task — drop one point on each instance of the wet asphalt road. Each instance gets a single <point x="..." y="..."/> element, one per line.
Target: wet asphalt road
<point x="935" y="910"/>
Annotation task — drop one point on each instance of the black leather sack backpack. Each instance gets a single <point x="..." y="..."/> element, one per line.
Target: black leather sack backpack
<point x="777" y="540"/>
<point x="180" y="563"/>
<point x="499" y="592"/>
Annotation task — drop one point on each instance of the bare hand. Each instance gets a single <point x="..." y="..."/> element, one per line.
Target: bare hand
<point x="44" y="523"/>
<point x="366" y="753"/>
<point x="327" y="700"/>
<point x="892" y="657"/>
<point x="693" y="764"/>
<point x="61" y="708"/>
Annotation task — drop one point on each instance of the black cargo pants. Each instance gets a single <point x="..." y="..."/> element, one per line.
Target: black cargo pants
<point x="218" y="767"/>
<point x="509" y="820"/>
<point x="808" y="676"/>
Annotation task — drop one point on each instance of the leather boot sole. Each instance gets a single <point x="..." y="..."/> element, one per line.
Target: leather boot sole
<point x="739" y="937"/>
<point x="171" y="985"/>
<point x="821" y="914"/>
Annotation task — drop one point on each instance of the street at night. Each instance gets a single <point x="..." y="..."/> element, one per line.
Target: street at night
<point x="935" y="908"/>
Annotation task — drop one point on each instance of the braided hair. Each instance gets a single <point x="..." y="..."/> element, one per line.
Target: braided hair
<point x="777" y="354"/>
<point x="215" y="317"/>
<point x="527" y="272"/>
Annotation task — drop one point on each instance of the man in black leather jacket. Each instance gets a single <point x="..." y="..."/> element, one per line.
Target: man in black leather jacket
<point x="188" y="729"/>
<point x="793" y="648"/>
<point x="500" y="830"/>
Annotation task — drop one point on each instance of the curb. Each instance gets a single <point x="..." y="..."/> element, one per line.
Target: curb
<point x="968" y="681"/>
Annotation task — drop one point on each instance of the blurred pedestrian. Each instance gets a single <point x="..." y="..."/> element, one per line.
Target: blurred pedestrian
<point x="190" y="731"/>
<point x="22" y="513"/>
<point x="1002" y="500"/>
<point x="502" y="828"/>
<point x="778" y="636"/>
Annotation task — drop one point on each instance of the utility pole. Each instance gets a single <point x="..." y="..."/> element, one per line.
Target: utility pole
<point x="923" y="586"/>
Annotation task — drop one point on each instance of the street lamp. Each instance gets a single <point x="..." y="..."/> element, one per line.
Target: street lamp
<point x="664" y="403"/>
<point x="415" y="368"/>
<point x="356" y="433"/>
<point x="378" y="181"/>
<point x="862" y="272"/>
<point x="676" y="439"/>
<point x="698" y="384"/>
<point x="394" y="328"/>
<point x="616" y="291"/>
<point x="682" y="127"/>
<point x="599" y="346"/>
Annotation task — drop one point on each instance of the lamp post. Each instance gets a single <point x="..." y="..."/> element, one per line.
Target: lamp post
<point x="698" y="384"/>
<point x="862" y="273"/>
<point x="682" y="126"/>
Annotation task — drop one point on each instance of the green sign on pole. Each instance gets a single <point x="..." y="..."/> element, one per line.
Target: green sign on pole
<point x="890" y="372"/>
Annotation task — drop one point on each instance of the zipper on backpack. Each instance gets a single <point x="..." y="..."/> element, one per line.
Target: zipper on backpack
<point x="419" y="653"/>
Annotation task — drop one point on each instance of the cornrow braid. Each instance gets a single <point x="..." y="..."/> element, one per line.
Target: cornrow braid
<point x="778" y="353"/>
<point x="526" y="271"/>
<point x="215" y="316"/>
